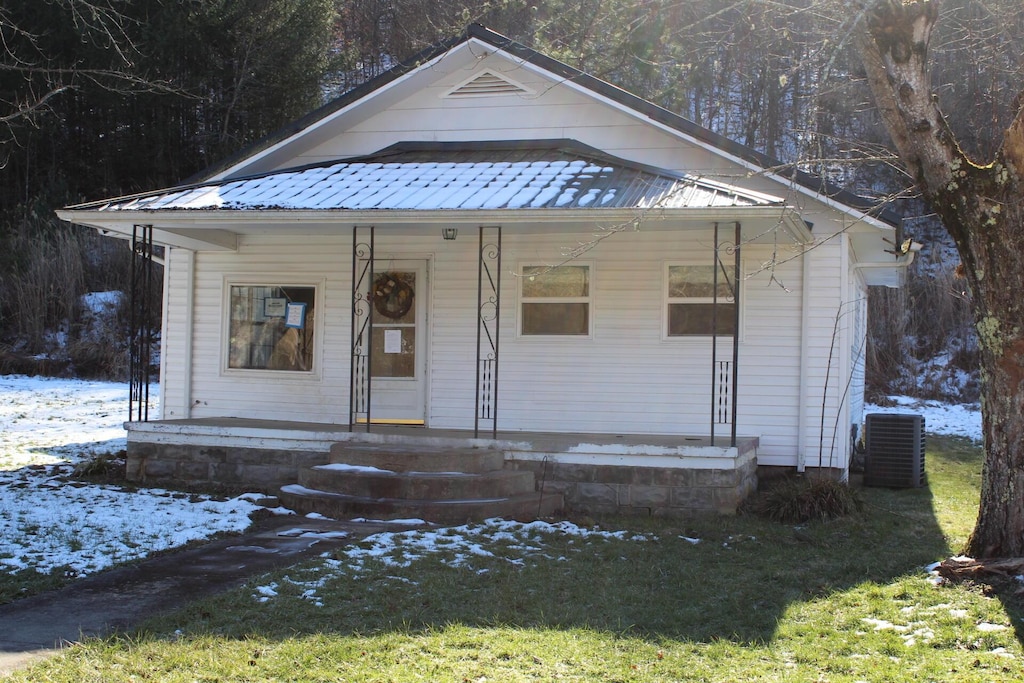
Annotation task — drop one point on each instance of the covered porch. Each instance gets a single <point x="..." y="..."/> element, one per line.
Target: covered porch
<point x="672" y="475"/>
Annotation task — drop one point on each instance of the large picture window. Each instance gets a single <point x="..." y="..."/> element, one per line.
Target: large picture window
<point x="555" y="301"/>
<point x="691" y="301"/>
<point x="271" y="327"/>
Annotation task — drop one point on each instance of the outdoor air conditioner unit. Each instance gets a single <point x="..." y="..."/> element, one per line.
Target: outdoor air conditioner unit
<point x="895" y="450"/>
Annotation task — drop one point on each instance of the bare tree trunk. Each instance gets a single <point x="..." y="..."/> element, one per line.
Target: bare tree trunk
<point x="981" y="207"/>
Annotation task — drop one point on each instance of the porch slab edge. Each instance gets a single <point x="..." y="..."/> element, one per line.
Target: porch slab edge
<point x="692" y="458"/>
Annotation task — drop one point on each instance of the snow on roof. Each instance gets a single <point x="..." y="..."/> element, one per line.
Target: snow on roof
<point x="439" y="177"/>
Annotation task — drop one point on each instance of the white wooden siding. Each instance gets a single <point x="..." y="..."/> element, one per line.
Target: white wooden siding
<point x="825" y="436"/>
<point x="625" y="379"/>
<point x="175" y="333"/>
<point x="558" y="111"/>
<point x="858" y="350"/>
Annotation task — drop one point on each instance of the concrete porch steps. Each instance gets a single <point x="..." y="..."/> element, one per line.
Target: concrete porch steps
<point x="526" y="507"/>
<point x="437" y="484"/>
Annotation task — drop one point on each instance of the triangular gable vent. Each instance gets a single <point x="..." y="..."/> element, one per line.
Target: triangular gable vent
<point x="486" y="84"/>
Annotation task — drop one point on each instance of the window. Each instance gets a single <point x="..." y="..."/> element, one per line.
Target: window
<point x="691" y="301"/>
<point x="271" y="327"/>
<point x="555" y="301"/>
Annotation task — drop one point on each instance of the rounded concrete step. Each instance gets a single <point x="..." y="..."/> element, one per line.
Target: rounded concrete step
<point x="525" y="507"/>
<point x="403" y="458"/>
<point x="357" y="481"/>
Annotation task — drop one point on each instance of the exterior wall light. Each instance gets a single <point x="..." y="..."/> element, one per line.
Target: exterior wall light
<point x="449" y="233"/>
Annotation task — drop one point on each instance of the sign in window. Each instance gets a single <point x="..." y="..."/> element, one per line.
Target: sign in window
<point x="271" y="327"/>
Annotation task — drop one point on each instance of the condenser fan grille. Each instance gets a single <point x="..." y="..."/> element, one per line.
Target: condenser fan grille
<point x="895" y="450"/>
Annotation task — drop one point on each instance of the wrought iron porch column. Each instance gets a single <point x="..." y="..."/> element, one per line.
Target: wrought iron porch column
<point x="361" y="351"/>
<point x="737" y="279"/>
<point x="724" y="375"/>
<point x="140" y="341"/>
<point x="488" y="322"/>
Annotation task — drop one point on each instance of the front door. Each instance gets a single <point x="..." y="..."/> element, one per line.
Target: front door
<point x="398" y="370"/>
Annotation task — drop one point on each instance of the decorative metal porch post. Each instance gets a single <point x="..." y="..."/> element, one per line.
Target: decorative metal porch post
<point x="360" y="359"/>
<point x="488" y="297"/>
<point x="737" y="278"/>
<point x="724" y="373"/>
<point x="140" y="342"/>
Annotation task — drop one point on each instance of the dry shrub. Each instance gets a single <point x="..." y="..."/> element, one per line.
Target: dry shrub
<point x="799" y="500"/>
<point x="104" y="468"/>
<point x="42" y="295"/>
<point x="46" y="328"/>
<point x="12" y="363"/>
<point x="98" y="359"/>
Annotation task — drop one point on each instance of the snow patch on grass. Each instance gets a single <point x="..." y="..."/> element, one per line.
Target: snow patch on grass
<point x="50" y="522"/>
<point x="459" y="547"/>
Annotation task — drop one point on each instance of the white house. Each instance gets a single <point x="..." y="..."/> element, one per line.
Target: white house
<point x="485" y="247"/>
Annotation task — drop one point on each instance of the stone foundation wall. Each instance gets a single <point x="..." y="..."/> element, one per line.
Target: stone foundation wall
<point x="253" y="469"/>
<point x="658" y="491"/>
<point x="589" y="489"/>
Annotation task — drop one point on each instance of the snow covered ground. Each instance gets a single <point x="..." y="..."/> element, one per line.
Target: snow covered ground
<point x="939" y="418"/>
<point x="47" y="426"/>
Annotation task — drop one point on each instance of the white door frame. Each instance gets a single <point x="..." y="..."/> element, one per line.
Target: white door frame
<point x="403" y="400"/>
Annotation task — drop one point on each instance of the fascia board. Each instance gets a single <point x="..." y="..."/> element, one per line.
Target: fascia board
<point x="219" y="229"/>
<point x="212" y="219"/>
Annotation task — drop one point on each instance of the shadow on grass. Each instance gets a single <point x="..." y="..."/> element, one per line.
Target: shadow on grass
<point x="958" y="482"/>
<point x="736" y="584"/>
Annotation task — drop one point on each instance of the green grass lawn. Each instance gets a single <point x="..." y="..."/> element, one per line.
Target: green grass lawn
<point x="847" y="600"/>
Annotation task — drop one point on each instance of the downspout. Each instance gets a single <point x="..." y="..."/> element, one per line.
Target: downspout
<point x="189" y="329"/>
<point x="805" y="297"/>
<point x="845" y="369"/>
<point x="165" y="298"/>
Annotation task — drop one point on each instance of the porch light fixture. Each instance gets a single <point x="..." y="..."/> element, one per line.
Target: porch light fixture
<point x="449" y="233"/>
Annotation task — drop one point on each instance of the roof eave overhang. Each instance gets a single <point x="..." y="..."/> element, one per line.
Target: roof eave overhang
<point x="202" y="229"/>
<point x="190" y="236"/>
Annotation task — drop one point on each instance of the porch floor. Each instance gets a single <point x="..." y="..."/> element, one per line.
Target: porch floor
<point x="516" y="444"/>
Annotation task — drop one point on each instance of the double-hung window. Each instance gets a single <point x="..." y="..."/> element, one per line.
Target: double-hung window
<point x="555" y="301"/>
<point x="692" y="306"/>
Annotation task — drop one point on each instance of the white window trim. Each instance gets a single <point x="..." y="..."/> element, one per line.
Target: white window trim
<point x="520" y="300"/>
<point x="271" y="280"/>
<point x="666" y="300"/>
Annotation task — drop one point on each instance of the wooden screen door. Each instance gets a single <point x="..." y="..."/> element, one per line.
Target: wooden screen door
<point x="398" y="371"/>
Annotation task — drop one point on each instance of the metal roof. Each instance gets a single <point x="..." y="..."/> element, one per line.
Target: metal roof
<point x="426" y="176"/>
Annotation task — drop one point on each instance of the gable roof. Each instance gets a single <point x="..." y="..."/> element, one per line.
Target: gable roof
<point x="809" y="182"/>
<point x="455" y="176"/>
